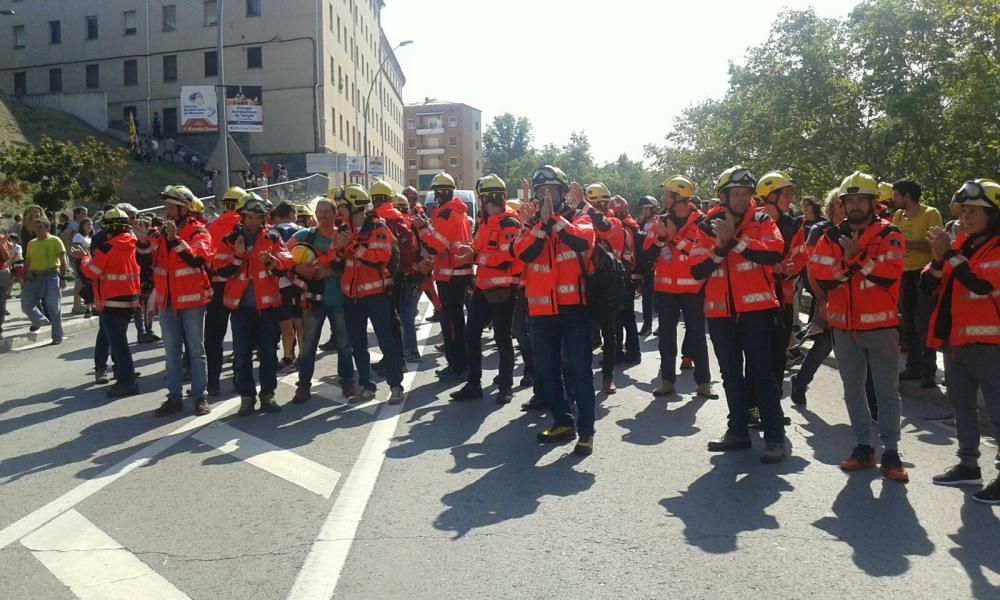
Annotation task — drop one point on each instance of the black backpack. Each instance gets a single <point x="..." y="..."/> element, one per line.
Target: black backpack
<point x="606" y="285"/>
<point x="645" y="260"/>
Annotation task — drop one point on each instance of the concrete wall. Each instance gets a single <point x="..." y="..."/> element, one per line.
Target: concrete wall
<point x="90" y="107"/>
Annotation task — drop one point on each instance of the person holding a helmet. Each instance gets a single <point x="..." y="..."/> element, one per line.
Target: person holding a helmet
<point x="115" y="272"/>
<point x="257" y="260"/>
<point x="966" y="324"/>
<point x="365" y="247"/>
<point x="216" y="314"/>
<point x="448" y="237"/>
<point x="609" y="234"/>
<point x="648" y="207"/>
<point x="859" y="264"/>
<point x="740" y="246"/>
<point x="555" y="247"/>
<point x="180" y="255"/>
<point x="677" y="238"/>
<point x="497" y="277"/>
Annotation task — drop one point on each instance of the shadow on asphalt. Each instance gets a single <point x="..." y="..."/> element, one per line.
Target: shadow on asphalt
<point x="663" y="418"/>
<point x="977" y="553"/>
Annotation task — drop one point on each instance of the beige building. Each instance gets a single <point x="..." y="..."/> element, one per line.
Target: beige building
<point x="443" y="136"/>
<point x="316" y="61"/>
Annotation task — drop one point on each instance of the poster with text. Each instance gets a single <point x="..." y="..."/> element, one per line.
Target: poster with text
<point x="244" y="109"/>
<point x="199" y="109"/>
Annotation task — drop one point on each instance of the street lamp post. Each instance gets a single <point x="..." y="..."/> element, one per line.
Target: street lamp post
<point x="368" y="102"/>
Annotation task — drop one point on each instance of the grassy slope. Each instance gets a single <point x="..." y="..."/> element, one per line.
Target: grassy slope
<point x="21" y="124"/>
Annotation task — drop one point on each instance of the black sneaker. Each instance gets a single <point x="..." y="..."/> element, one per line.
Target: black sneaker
<point x="535" y="404"/>
<point x="989" y="494"/>
<point x="122" y="391"/>
<point x="959" y="475"/>
<point x="169" y="407"/>
<point x="468" y="392"/>
<point x="448" y="374"/>
<point x="504" y="396"/>
<point x="798" y="394"/>
<point x="101" y="376"/>
<point x="728" y="442"/>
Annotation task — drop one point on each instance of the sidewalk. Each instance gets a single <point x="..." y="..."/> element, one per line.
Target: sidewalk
<point x="15" y="328"/>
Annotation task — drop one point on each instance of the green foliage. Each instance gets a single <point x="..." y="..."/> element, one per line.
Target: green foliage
<point x="55" y="174"/>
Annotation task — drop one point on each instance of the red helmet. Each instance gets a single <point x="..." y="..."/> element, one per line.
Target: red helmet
<point x="618" y="205"/>
<point x="410" y="192"/>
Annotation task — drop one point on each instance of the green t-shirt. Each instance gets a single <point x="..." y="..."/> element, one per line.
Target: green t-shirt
<point x="332" y="294"/>
<point x="43" y="255"/>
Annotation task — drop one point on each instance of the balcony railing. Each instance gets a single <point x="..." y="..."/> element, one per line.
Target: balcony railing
<point x="431" y="131"/>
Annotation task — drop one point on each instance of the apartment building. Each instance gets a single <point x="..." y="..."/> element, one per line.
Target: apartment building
<point x="316" y="61"/>
<point x="443" y="136"/>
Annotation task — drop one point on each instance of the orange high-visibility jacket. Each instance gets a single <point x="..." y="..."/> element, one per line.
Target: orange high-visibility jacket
<point x="968" y="307"/>
<point x="180" y="268"/>
<point x="608" y="230"/>
<point x="795" y="250"/>
<point x="497" y="267"/>
<point x="555" y="255"/>
<point x="672" y="273"/>
<point x="238" y="271"/>
<point x="366" y="259"/>
<point x="115" y="272"/>
<point x="448" y="228"/>
<point x="218" y="229"/>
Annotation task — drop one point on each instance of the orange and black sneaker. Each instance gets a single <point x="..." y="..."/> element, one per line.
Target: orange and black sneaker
<point x="861" y="458"/>
<point x="892" y="467"/>
<point x="557" y="434"/>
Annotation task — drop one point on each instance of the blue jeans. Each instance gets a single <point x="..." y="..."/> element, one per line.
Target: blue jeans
<point x="43" y="287"/>
<point x="312" y="324"/>
<point x="179" y="328"/>
<point x="408" y="297"/>
<point x="253" y="329"/>
<point x="569" y="330"/>
<point x="114" y="326"/>
<point x="357" y="312"/>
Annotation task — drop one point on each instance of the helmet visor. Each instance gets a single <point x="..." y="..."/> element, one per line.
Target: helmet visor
<point x="544" y="176"/>
<point x="741" y="178"/>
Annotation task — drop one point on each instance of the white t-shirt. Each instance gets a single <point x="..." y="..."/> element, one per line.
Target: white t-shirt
<point x="80" y="240"/>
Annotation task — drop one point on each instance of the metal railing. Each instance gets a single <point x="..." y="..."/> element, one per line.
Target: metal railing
<point x="299" y="190"/>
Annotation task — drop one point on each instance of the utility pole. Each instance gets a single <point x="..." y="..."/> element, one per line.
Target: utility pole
<point x="223" y="122"/>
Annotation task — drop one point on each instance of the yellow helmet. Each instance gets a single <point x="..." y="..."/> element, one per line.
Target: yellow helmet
<point x="114" y="216"/>
<point x="233" y="196"/>
<point x="381" y="188"/>
<point x="736" y="176"/>
<point x="303" y="253"/>
<point x="490" y="184"/>
<point x="303" y="210"/>
<point x="771" y="182"/>
<point x="859" y="183"/>
<point x="680" y="185"/>
<point x="442" y="181"/>
<point x="400" y="201"/>
<point x="197" y="206"/>
<point x="884" y="191"/>
<point x="253" y="203"/>
<point x="335" y="193"/>
<point x="356" y="197"/>
<point x="548" y="175"/>
<point x="981" y="192"/>
<point x="178" y="195"/>
<point x="598" y="192"/>
<point x="514" y="204"/>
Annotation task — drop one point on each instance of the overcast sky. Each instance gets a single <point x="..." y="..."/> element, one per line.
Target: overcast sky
<point x="619" y="70"/>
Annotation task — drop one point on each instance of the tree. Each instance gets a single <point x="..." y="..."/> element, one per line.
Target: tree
<point x="505" y="140"/>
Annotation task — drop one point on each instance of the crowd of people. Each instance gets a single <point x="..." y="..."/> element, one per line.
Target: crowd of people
<point x="558" y="271"/>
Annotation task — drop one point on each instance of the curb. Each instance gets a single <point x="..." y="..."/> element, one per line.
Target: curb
<point x="43" y="337"/>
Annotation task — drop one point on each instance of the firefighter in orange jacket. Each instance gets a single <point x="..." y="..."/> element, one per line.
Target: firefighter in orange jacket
<point x="180" y="255"/>
<point x="741" y="306"/>
<point x="216" y="314"/>
<point x="257" y="258"/>
<point x="859" y="263"/>
<point x="966" y="324"/>
<point x="611" y="236"/>
<point x="448" y="237"/>
<point x="555" y="249"/>
<point x="115" y="273"/>
<point x="493" y="298"/>
<point x="364" y="244"/>
<point x="676" y="236"/>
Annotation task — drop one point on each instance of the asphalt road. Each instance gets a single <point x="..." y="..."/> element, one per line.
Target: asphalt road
<point x="442" y="500"/>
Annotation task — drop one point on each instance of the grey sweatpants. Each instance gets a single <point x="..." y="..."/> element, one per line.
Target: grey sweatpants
<point x="967" y="369"/>
<point x="855" y="351"/>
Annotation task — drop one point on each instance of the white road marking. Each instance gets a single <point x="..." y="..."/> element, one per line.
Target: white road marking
<point x="329" y="391"/>
<point x="93" y="565"/>
<point x="322" y="568"/>
<point x="43" y="515"/>
<point x="282" y="463"/>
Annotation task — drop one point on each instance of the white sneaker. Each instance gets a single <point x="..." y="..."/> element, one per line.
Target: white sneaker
<point x="396" y="395"/>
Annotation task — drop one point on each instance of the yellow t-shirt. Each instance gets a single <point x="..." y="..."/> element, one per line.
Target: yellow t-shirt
<point x="914" y="229"/>
<point x="43" y="255"/>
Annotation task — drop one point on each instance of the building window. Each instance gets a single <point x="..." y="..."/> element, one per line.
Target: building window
<point x="55" y="80"/>
<point x="211" y="64"/>
<point x="253" y="8"/>
<point x="91" y="28"/>
<point x="93" y="77"/>
<point x="477" y="165"/>
<point x="333" y="120"/>
<point x="170" y="121"/>
<point x="130" y="27"/>
<point x="412" y="163"/>
<point x="452" y="162"/>
<point x="452" y="121"/>
<point x="477" y="125"/>
<point x="20" y="83"/>
<point x="128" y="111"/>
<point x="333" y="72"/>
<point x="170" y="67"/>
<point x="19" y="39"/>
<point x="341" y="127"/>
<point x="131" y="72"/>
<point x="55" y="32"/>
<point x="211" y="13"/>
<point x="255" y="57"/>
<point x="411" y="143"/>
<point x="452" y="141"/>
<point x="477" y="145"/>
<point x="411" y="124"/>
<point x="170" y="17"/>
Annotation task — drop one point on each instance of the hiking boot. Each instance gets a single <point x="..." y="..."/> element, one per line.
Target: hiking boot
<point x="892" y="467"/>
<point x="608" y="385"/>
<point x="861" y="458"/>
<point x="201" y="408"/>
<point x="666" y="388"/>
<point x="584" y="446"/>
<point x="504" y="396"/>
<point x="169" y="407"/>
<point x="909" y="374"/>
<point x="119" y="390"/>
<point x="557" y="434"/>
<point x="396" y="395"/>
<point x="348" y="389"/>
<point x="705" y="391"/>
<point x="302" y="394"/>
<point x="101" y="376"/>
<point x="533" y="405"/>
<point x="730" y="441"/>
<point x="267" y="404"/>
<point x="527" y="381"/>
<point x="247" y="404"/>
<point x="773" y="453"/>
<point x="366" y="395"/>
<point x="959" y="475"/>
<point x="468" y="391"/>
<point x="989" y="494"/>
<point x="798" y="393"/>
<point x="687" y="363"/>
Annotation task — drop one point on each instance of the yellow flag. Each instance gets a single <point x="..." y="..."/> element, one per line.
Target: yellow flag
<point x="132" y="135"/>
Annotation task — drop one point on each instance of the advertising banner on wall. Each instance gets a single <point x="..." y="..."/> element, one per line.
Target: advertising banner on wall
<point x="244" y="109"/>
<point x="199" y="109"/>
<point x="376" y="168"/>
